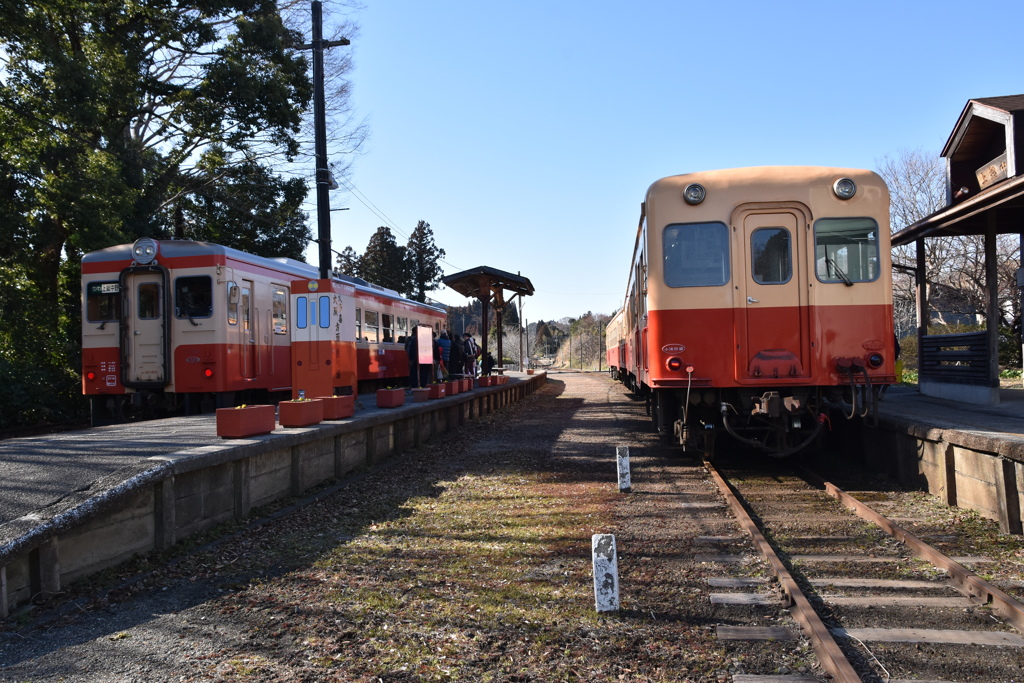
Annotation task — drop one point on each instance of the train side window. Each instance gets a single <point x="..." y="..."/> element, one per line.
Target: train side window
<point x="846" y="250"/>
<point x="103" y="302"/>
<point x="370" y="319"/>
<point x="696" y="254"/>
<point x="359" y="324"/>
<point x="149" y="301"/>
<point x="771" y="257"/>
<point x="193" y="297"/>
<point x="233" y="296"/>
<point x="402" y="328"/>
<point x="279" y="304"/>
<point x="388" y="323"/>
<point x="301" y="321"/>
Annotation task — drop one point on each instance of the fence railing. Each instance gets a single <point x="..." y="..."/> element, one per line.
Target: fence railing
<point x="961" y="357"/>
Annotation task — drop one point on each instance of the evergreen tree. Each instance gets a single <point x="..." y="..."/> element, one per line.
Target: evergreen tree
<point x="423" y="262"/>
<point x="348" y="262"/>
<point x="384" y="262"/>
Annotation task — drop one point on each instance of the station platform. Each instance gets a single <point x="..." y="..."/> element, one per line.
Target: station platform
<point x="995" y="429"/>
<point x="77" y="502"/>
<point x="970" y="456"/>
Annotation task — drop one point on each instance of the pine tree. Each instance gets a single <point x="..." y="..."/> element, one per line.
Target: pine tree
<point x="423" y="262"/>
<point x="384" y="262"/>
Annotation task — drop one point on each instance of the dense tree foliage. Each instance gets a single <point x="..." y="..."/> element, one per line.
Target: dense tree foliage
<point x="384" y="262"/>
<point x="423" y="262"/>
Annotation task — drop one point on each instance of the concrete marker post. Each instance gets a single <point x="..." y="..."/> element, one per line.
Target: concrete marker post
<point x="622" y="456"/>
<point x="606" y="573"/>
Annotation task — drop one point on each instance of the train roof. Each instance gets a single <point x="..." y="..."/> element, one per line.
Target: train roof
<point x="292" y="267"/>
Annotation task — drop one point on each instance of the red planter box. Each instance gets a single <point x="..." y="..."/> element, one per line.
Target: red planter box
<point x="338" y="407"/>
<point x="467" y="384"/>
<point x="436" y="390"/>
<point x="483" y="381"/>
<point x="420" y="395"/>
<point x="451" y="388"/>
<point x="390" y="398"/>
<point x="237" y="423"/>
<point x="300" y="413"/>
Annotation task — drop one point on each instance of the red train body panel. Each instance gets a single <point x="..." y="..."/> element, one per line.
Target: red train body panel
<point x="170" y="325"/>
<point x="757" y="299"/>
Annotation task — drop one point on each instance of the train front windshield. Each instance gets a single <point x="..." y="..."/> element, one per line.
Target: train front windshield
<point x="846" y="250"/>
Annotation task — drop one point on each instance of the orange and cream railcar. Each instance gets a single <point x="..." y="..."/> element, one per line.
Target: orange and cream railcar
<point x="177" y="326"/>
<point x="615" y="344"/>
<point x="756" y="298"/>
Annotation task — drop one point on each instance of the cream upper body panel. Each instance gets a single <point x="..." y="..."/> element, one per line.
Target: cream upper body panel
<point x="733" y="195"/>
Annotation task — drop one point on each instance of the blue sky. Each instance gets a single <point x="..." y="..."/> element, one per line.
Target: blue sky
<point x="527" y="133"/>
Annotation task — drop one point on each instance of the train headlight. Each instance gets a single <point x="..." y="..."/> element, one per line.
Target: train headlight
<point x="674" y="364"/>
<point x="694" y="193"/>
<point x="144" y="250"/>
<point x="875" y="360"/>
<point x="844" y="188"/>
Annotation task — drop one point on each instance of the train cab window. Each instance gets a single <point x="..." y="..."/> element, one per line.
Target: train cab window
<point x="103" y="302"/>
<point x="301" y="313"/>
<point x="696" y="254"/>
<point x="325" y="312"/>
<point x="846" y="250"/>
<point x="359" y="324"/>
<point x="149" y="301"/>
<point x="771" y="256"/>
<point x="193" y="297"/>
<point x="402" y="328"/>
<point x="388" y="323"/>
<point x="371" y="321"/>
<point x="279" y="304"/>
<point x="232" y="307"/>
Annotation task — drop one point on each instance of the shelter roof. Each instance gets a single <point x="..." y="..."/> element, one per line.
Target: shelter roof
<point x="984" y="173"/>
<point x="483" y="281"/>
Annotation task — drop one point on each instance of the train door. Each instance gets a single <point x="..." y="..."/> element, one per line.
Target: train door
<point x="145" y="340"/>
<point x="772" y="301"/>
<point x="249" y="346"/>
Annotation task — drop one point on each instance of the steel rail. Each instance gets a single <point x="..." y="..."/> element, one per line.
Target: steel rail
<point x="962" y="578"/>
<point x="830" y="655"/>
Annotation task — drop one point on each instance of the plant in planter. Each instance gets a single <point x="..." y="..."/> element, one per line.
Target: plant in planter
<point x="420" y="394"/>
<point x="338" y="407"/>
<point x="243" y="421"/>
<point x="301" y="412"/>
<point x="390" y="398"/>
<point x="437" y="390"/>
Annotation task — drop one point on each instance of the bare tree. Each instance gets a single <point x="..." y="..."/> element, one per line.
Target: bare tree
<point x="955" y="265"/>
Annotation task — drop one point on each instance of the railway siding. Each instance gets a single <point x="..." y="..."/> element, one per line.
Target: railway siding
<point x="151" y="503"/>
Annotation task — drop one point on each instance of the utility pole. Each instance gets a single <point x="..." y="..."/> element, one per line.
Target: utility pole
<point x="323" y="173"/>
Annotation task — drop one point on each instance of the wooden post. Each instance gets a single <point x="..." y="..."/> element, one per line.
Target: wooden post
<point x="992" y="289"/>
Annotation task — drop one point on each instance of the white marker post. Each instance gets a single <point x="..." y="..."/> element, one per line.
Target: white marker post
<point x="606" y="573"/>
<point x="622" y="455"/>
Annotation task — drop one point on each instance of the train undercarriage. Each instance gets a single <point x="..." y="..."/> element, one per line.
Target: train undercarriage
<point x="780" y="421"/>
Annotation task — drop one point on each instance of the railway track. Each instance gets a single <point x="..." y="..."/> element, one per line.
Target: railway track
<point x="881" y="598"/>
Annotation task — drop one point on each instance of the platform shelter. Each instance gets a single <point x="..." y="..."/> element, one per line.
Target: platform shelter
<point x="493" y="288"/>
<point x="984" y="196"/>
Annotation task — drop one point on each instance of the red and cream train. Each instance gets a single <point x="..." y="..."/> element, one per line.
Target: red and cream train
<point x="756" y="298"/>
<point x="178" y="326"/>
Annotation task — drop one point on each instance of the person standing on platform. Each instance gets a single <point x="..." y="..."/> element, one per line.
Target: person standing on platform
<point x="455" y="354"/>
<point x="446" y="348"/>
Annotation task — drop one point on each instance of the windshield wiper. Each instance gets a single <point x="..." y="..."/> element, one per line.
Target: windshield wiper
<point x="839" y="271"/>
